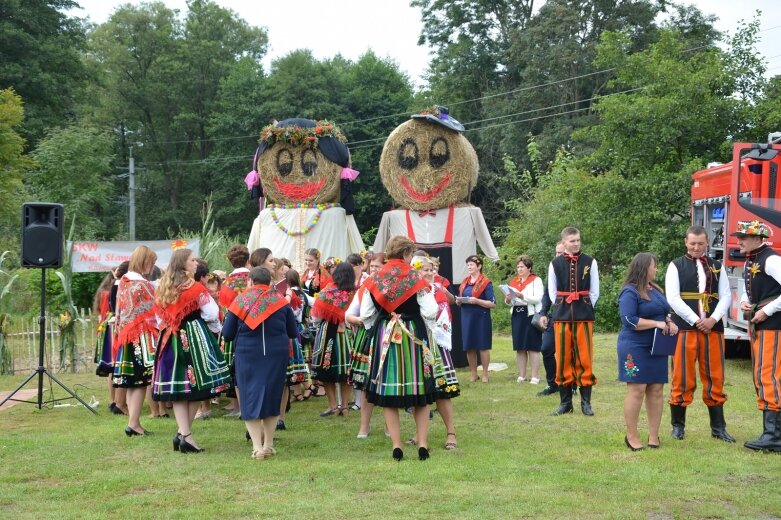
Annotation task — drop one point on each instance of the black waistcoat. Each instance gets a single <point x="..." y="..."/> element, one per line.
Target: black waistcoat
<point x="760" y="286"/>
<point x="689" y="282"/>
<point x="573" y="276"/>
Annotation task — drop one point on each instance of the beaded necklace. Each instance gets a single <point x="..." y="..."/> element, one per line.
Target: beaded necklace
<point x="319" y="212"/>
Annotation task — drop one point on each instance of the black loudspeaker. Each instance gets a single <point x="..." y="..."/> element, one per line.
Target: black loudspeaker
<point x="42" y="225"/>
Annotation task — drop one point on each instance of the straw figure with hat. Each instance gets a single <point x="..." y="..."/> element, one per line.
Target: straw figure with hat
<point x="302" y="175"/>
<point x="429" y="168"/>
<point x="760" y="303"/>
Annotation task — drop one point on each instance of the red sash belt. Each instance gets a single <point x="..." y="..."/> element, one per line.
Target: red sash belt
<point x="572" y="296"/>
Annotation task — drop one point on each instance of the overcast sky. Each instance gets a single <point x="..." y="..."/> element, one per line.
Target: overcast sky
<point x="391" y="27"/>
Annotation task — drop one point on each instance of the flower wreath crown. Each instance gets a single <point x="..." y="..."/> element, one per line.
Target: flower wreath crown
<point x="297" y="135"/>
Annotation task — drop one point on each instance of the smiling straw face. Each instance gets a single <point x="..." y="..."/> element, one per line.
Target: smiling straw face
<point x="301" y="174"/>
<point x="427" y="166"/>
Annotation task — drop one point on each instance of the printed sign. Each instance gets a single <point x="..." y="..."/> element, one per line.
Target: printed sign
<point x="94" y="257"/>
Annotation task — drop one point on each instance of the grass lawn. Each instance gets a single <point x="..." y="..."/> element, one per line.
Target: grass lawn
<point x="513" y="461"/>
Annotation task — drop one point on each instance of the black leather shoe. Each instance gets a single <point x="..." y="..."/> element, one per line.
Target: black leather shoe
<point x="626" y="441"/>
<point x="585" y="401"/>
<point x="548" y="390"/>
<point x="177" y="440"/>
<point x="423" y="453"/>
<point x="397" y="454"/>
<point x="770" y="440"/>
<point x="678" y="420"/>
<point x="130" y="432"/>
<point x="718" y="426"/>
<point x="565" y="394"/>
<point x="186" y="447"/>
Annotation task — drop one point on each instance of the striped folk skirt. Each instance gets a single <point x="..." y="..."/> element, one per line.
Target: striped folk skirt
<point x="297" y="368"/>
<point x="103" y="350"/>
<point x="331" y="353"/>
<point x="190" y="366"/>
<point x="448" y="386"/>
<point x="134" y="363"/>
<point x="361" y="355"/>
<point x="403" y="373"/>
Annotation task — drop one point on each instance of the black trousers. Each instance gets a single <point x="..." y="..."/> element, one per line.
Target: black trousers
<point x="549" y="355"/>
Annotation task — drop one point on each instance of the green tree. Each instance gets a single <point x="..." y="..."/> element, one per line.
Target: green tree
<point x="13" y="163"/>
<point x="41" y="60"/>
<point x="75" y="166"/>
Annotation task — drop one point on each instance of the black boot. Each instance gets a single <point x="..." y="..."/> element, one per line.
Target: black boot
<point x="770" y="440"/>
<point x="678" y="421"/>
<point x="585" y="400"/>
<point x="718" y="426"/>
<point x="565" y="394"/>
<point x="548" y="390"/>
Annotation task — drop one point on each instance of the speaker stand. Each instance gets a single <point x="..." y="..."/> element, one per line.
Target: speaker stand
<point x="41" y="370"/>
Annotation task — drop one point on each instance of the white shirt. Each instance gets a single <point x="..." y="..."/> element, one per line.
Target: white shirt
<point x="593" y="291"/>
<point x="532" y="296"/>
<point x="672" y="289"/>
<point x="773" y="269"/>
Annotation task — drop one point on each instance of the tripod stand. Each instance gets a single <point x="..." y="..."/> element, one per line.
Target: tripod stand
<point x="41" y="370"/>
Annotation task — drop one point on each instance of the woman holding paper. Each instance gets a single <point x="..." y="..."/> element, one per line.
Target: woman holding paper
<point x="476" y="298"/>
<point x="643" y="308"/>
<point x="524" y="293"/>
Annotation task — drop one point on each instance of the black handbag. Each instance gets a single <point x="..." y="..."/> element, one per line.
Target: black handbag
<point x="537" y="322"/>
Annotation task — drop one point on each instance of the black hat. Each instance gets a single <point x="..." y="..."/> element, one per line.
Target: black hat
<point x="440" y="115"/>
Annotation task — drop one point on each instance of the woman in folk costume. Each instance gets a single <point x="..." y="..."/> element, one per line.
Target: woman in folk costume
<point x="361" y="352"/>
<point x="316" y="276"/>
<point x="189" y="365"/>
<point x="439" y="331"/>
<point x="402" y="365"/>
<point x="297" y="369"/>
<point x="331" y="353"/>
<point x="135" y="335"/>
<point x="262" y="324"/>
<point x="525" y="301"/>
<point x="104" y="355"/>
<point x="235" y="284"/>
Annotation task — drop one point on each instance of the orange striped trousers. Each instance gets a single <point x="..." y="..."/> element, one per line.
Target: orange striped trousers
<point x="694" y="349"/>
<point x="766" y="369"/>
<point x="574" y="352"/>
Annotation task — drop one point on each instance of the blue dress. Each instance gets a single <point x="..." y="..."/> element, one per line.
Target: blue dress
<point x="635" y="362"/>
<point x="261" y="360"/>
<point x="476" y="327"/>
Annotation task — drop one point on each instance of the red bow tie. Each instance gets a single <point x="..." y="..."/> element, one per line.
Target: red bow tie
<point x="427" y="212"/>
<point x="701" y="259"/>
<point x="571" y="258"/>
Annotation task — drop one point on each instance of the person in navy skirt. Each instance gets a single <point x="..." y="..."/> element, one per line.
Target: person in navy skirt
<point x="476" y="299"/>
<point x="642" y="308"/>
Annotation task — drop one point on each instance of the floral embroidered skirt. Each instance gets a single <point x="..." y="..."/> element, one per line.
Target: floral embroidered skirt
<point x="637" y="365"/>
<point x="403" y="373"/>
<point x="361" y="355"/>
<point x="297" y="368"/>
<point x="133" y="366"/>
<point x="103" y="354"/>
<point x="446" y="377"/>
<point x="190" y="365"/>
<point x="331" y="353"/>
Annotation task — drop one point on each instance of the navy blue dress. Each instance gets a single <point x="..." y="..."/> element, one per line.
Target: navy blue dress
<point x="635" y="362"/>
<point x="261" y="359"/>
<point x="476" y="326"/>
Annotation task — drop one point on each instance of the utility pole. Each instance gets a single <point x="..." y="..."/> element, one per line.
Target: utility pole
<point x="132" y="196"/>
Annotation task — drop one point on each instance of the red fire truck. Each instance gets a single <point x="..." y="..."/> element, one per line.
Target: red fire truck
<point x="747" y="188"/>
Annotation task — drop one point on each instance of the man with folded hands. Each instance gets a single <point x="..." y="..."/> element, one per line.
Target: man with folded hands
<point x="698" y="292"/>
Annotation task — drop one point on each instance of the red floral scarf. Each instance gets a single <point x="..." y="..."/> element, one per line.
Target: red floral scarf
<point x="256" y="304"/>
<point x="516" y="282"/>
<point x="135" y="311"/>
<point x="319" y="278"/>
<point x="234" y="285"/>
<point x="396" y="283"/>
<point x="331" y="304"/>
<point x="190" y="300"/>
<point x="480" y="284"/>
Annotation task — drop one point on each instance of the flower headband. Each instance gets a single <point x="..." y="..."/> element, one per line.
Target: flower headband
<point x="297" y="135"/>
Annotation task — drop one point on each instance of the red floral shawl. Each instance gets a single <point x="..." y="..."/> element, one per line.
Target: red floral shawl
<point x="444" y="282"/>
<point x="320" y="278"/>
<point x="331" y="304"/>
<point x="396" y="283"/>
<point x="135" y="311"/>
<point x="189" y="301"/>
<point x="480" y="284"/>
<point x="256" y="304"/>
<point x="103" y="305"/>
<point x="234" y="285"/>
<point x="516" y="282"/>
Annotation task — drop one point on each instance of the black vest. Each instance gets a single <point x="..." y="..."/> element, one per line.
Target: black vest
<point x="689" y="282"/>
<point x="573" y="276"/>
<point x="760" y="286"/>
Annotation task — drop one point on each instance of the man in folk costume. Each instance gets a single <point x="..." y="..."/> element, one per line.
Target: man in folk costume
<point x="698" y="291"/>
<point x="760" y="303"/>
<point x="548" y="343"/>
<point x="573" y="286"/>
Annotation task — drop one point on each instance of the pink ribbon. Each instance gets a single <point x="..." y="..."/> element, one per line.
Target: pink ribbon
<point x="349" y="174"/>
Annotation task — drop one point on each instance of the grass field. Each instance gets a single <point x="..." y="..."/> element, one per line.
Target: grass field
<point x="513" y="461"/>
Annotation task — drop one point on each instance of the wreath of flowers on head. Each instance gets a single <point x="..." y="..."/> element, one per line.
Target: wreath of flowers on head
<point x="297" y="135"/>
<point x="434" y="111"/>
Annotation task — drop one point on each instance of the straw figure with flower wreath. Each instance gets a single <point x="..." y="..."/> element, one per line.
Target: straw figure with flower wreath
<point x="430" y="168"/>
<point x="302" y="175"/>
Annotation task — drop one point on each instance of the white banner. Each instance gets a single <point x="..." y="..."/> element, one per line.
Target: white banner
<point x="92" y="257"/>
